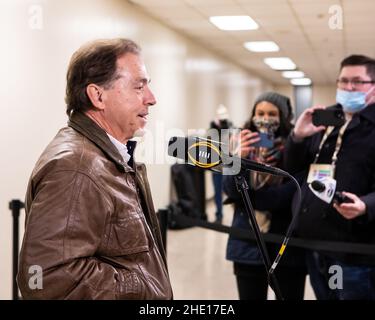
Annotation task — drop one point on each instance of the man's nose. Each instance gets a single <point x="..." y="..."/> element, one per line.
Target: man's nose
<point x="149" y="98"/>
<point x="350" y="86"/>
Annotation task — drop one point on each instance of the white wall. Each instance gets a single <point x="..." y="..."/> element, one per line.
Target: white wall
<point x="324" y="95"/>
<point x="38" y="38"/>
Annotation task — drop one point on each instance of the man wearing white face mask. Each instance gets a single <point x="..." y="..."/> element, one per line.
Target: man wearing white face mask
<point x="346" y="154"/>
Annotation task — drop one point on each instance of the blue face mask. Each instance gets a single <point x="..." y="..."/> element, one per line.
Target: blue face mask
<point x="351" y="101"/>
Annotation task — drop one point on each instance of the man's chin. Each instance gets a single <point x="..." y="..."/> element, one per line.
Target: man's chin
<point x="139" y="133"/>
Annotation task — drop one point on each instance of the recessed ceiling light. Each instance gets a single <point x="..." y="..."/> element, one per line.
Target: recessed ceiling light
<point x="301" y="82"/>
<point x="261" y="46"/>
<point x="232" y="23"/>
<point x="293" y="74"/>
<point x="280" y="63"/>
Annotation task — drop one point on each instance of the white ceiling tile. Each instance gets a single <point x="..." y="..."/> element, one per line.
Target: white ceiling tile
<point x="202" y="33"/>
<point x="265" y="9"/>
<point x="249" y="35"/>
<point x="210" y="2"/>
<point x="191" y="24"/>
<point x="366" y="39"/>
<point x="314" y="1"/>
<point x="175" y="12"/>
<point x="299" y="27"/>
<point x="319" y="31"/>
<point x="218" y="10"/>
<point x="261" y="2"/>
<point x="355" y="7"/>
<point x="312" y="21"/>
<point x="270" y="23"/>
<point x="312" y="8"/>
<point x="151" y="3"/>
<point x="362" y="21"/>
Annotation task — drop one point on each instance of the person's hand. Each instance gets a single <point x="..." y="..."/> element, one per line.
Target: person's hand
<point x="304" y="127"/>
<point x="351" y="210"/>
<point x="272" y="156"/>
<point x="244" y="142"/>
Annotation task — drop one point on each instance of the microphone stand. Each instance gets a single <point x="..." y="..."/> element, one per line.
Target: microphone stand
<point x="243" y="187"/>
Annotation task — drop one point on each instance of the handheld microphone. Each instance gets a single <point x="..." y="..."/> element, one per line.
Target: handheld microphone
<point x="214" y="155"/>
<point x="325" y="189"/>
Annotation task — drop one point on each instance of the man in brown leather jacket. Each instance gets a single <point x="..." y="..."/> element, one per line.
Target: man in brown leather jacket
<point x="91" y="229"/>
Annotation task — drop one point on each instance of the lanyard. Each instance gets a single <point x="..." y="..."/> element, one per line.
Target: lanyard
<point x="338" y="143"/>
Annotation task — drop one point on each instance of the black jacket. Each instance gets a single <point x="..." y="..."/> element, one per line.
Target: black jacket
<point x="276" y="199"/>
<point x="355" y="173"/>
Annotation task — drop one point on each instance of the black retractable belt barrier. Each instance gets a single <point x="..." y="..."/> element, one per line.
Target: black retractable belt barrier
<point x="164" y="214"/>
<point x="245" y="234"/>
<point x="15" y="206"/>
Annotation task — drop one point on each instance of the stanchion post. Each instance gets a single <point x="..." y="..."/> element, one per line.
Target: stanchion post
<point x="15" y="206"/>
<point x="243" y="188"/>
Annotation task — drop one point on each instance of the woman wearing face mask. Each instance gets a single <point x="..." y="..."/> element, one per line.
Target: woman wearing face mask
<point x="270" y="119"/>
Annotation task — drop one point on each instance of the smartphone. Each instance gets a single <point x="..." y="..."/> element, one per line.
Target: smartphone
<point x="265" y="141"/>
<point x="339" y="198"/>
<point x="328" y="117"/>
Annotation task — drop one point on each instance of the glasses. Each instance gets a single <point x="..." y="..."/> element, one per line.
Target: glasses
<point x="356" y="84"/>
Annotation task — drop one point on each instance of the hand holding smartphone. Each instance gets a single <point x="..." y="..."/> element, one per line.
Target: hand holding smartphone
<point x="247" y="141"/>
<point x="328" y="117"/>
<point x="265" y="141"/>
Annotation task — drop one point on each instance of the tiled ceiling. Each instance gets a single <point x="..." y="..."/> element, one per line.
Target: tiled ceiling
<point x="299" y="27"/>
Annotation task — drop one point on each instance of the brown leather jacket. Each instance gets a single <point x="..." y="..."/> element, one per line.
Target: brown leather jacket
<point x="90" y="223"/>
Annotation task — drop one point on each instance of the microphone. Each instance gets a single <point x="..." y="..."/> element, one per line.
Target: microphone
<point x="214" y="155"/>
<point x="325" y="189"/>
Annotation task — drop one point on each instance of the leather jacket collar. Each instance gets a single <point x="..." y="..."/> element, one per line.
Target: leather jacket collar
<point x="85" y="126"/>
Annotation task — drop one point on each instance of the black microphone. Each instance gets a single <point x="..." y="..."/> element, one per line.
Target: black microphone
<point x="213" y="155"/>
<point x="318" y="186"/>
<point x="321" y="186"/>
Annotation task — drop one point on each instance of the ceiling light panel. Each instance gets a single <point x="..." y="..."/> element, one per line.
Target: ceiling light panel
<point x="261" y="46"/>
<point x="280" y="63"/>
<point x="301" y="82"/>
<point x="234" y="23"/>
<point x="293" y="74"/>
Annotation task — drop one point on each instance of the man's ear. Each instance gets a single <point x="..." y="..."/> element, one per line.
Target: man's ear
<point x="94" y="93"/>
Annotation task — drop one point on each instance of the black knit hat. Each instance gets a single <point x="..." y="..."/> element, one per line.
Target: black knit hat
<point x="280" y="101"/>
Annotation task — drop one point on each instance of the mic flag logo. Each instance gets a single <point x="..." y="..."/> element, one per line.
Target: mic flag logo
<point x="324" y="188"/>
<point x="204" y="154"/>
